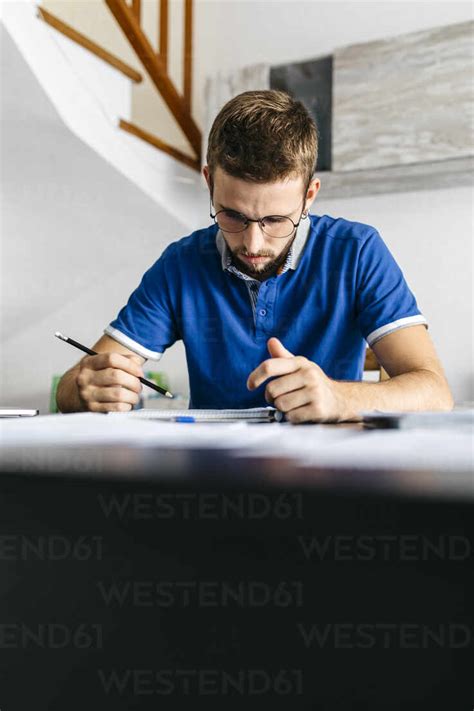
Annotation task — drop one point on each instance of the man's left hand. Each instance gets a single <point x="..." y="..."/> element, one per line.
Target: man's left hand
<point x="300" y="388"/>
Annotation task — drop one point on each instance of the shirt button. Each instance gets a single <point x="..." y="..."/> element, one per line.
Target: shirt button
<point x="262" y="312"/>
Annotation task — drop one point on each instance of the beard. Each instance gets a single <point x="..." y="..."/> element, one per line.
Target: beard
<point x="260" y="271"/>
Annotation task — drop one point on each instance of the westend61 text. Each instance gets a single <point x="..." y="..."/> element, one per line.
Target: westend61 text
<point x="202" y="682"/>
<point x="404" y="547"/>
<point x="51" y="635"/>
<point x="241" y="593"/>
<point x="202" y="506"/>
<point x="384" y="635"/>
<point x="51" y="547"/>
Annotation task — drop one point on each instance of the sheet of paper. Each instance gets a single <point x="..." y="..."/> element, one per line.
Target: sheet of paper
<point x="94" y="428"/>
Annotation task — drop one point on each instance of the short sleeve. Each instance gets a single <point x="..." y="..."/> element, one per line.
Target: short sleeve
<point x="146" y="324"/>
<point x="384" y="302"/>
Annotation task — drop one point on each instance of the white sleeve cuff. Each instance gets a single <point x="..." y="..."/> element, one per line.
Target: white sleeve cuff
<point x="131" y="344"/>
<point x="394" y="326"/>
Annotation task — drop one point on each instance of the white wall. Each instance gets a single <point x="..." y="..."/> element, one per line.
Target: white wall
<point x="429" y="232"/>
<point x="76" y="236"/>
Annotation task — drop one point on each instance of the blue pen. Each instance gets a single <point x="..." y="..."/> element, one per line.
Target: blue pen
<point x="184" y="418"/>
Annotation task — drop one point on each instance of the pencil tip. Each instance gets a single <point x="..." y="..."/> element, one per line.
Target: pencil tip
<point x="167" y="394"/>
<point x="60" y="335"/>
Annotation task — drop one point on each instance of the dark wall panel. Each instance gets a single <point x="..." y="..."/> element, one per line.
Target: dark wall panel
<point x="311" y="83"/>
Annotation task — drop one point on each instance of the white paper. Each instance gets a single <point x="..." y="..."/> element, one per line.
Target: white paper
<point x="95" y="428"/>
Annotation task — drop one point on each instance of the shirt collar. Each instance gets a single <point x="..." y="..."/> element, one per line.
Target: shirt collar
<point x="294" y="254"/>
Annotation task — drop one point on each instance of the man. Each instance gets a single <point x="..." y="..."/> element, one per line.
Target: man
<point x="274" y="306"/>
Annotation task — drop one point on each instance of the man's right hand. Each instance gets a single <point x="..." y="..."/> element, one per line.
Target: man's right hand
<point x="108" y="382"/>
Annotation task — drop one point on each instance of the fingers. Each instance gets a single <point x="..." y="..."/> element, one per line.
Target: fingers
<point x="299" y="387"/>
<point x="128" y="363"/>
<point x="290" y="401"/>
<point x="113" y="394"/>
<point x="288" y="392"/>
<point x="115" y="377"/>
<point x="93" y="395"/>
<point x="277" y="349"/>
<point x="109" y="382"/>
<point x="110" y="407"/>
<point x="283" y="385"/>
<point x="274" y="367"/>
<point x="305" y="413"/>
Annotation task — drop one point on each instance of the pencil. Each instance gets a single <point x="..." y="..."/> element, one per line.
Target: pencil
<point x="87" y="350"/>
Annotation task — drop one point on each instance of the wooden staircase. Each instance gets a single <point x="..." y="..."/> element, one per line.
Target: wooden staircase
<point x="155" y="64"/>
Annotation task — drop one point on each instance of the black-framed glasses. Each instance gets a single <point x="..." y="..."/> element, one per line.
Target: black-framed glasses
<point x="278" y="226"/>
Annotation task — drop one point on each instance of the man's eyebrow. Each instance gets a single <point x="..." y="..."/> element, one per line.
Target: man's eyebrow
<point x="269" y="214"/>
<point x="232" y="209"/>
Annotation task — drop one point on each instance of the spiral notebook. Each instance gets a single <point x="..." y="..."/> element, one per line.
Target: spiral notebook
<point x="253" y="414"/>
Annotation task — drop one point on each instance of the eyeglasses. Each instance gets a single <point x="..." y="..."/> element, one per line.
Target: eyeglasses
<point x="277" y="226"/>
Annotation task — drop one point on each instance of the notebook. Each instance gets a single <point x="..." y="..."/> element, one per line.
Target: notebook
<point x="18" y="412"/>
<point x="253" y="414"/>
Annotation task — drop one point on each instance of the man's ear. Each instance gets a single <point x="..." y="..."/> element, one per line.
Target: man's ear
<point x="207" y="176"/>
<point x="313" y="189"/>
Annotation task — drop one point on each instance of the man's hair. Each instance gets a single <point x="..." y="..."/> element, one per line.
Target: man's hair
<point x="263" y="136"/>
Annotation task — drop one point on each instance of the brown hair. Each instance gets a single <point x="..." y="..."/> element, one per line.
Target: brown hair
<point x="263" y="136"/>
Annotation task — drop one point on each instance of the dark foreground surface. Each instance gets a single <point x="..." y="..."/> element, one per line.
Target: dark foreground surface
<point x="227" y="585"/>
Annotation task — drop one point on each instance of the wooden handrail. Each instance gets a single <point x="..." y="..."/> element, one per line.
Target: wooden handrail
<point x="157" y="72"/>
<point x="136" y="9"/>
<point x="187" y="51"/>
<point x="163" y="33"/>
<point x="157" y="143"/>
<point x="88" y="44"/>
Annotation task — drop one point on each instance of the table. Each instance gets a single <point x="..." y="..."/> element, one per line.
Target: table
<point x="137" y="577"/>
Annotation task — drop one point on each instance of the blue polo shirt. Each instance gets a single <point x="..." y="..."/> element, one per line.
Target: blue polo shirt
<point x="340" y="289"/>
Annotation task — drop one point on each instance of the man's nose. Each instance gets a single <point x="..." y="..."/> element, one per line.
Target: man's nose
<point x="254" y="239"/>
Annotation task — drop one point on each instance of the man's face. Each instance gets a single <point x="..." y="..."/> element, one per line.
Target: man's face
<point x="254" y="252"/>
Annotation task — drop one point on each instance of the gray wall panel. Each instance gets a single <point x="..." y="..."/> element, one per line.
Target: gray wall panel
<point x="404" y="100"/>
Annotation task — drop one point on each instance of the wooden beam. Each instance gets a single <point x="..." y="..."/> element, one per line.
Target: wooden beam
<point x="88" y="44"/>
<point x="188" y="52"/>
<point x="163" y="33"/>
<point x="136" y="9"/>
<point x="157" y="72"/>
<point x="161" y="145"/>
